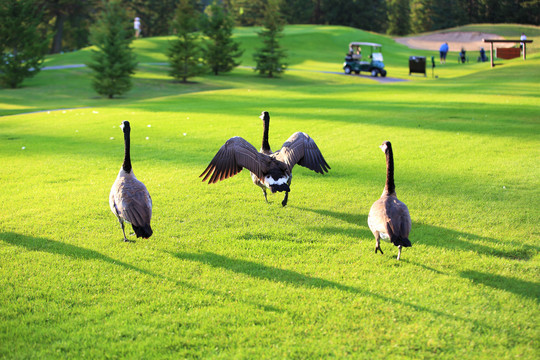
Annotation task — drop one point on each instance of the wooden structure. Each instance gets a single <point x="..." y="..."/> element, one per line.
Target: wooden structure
<point x="491" y="41"/>
<point x="507" y="53"/>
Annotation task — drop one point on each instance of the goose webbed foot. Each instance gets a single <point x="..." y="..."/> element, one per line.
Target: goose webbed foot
<point x="378" y="247"/>
<point x="284" y="202"/>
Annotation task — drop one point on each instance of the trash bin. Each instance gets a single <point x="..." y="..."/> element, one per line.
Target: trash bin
<point x="417" y="64"/>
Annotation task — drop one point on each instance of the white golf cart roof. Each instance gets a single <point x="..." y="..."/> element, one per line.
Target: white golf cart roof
<point x="363" y="43"/>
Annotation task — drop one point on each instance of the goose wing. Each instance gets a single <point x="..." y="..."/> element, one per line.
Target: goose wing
<point x="301" y="149"/>
<point x="399" y="218"/>
<point x="232" y="157"/>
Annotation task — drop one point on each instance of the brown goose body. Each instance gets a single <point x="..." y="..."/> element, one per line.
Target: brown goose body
<point x="269" y="170"/>
<point x="389" y="218"/>
<point x="129" y="199"/>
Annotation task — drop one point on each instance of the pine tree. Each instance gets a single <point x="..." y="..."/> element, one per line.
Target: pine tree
<point x="247" y="12"/>
<point x="298" y="11"/>
<point x="221" y="49"/>
<point x="421" y="15"/>
<point x="22" y="49"/>
<point x="398" y="17"/>
<point x="269" y="58"/>
<point x="185" y="52"/>
<point x="114" y="61"/>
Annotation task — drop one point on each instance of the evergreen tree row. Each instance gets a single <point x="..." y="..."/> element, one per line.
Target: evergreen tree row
<point x="22" y="48"/>
<point x="190" y="56"/>
<point x="30" y="28"/>
<point x="67" y="21"/>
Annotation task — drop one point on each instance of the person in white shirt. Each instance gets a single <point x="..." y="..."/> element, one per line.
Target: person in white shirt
<point x="137" y="27"/>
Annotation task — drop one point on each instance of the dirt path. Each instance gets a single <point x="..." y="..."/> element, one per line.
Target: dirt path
<point x="470" y="41"/>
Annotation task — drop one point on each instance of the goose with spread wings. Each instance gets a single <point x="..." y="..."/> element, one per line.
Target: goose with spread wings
<point x="269" y="170"/>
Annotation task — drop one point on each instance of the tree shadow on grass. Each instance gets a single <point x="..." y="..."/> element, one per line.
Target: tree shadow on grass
<point x="33" y="243"/>
<point x="519" y="287"/>
<point x="462" y="241"/>
<point x="435" y="236"/>
<point x="296" y="279"/>
<point x="354" y="219"/>
<point x="359" y="220"/>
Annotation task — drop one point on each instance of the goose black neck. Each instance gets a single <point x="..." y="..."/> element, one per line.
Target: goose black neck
<point x="127" y="157"/>
<point x="265" y="145"/>
<point x="390" y="187"/>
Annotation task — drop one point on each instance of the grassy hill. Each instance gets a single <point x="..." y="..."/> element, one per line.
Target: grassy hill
<point x="311" y="49"/>
<point x="227" y="275"/>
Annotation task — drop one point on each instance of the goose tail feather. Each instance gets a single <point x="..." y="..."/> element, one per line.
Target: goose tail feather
<point x="280" y="187"/>
<point x="405" y="242"/>
<point x="143" y="231"/>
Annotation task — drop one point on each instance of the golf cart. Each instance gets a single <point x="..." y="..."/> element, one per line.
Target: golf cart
<point x="354" y="63"/>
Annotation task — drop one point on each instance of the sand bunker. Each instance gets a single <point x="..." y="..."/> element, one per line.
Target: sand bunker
<point x="470" y="41"/>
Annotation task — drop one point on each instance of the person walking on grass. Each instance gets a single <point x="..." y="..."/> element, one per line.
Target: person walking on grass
<point x="443" y="51"/>
<point x="137" y="27"/>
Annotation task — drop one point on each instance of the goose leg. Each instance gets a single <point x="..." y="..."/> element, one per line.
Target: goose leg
<point x="378" y="244"/>
<point x="123" y="230"/>
<point x="284" y="202"/>
<point x="399" y="252"/>
<point x="265" y="198"/>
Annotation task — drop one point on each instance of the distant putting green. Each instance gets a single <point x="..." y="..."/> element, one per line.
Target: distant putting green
<point x="227" y="275"/>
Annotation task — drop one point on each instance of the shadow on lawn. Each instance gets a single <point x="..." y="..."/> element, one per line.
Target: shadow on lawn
<point x="462" y="241"/>
<point x="358" y="220"/>
<point x="293" y="278"/>
<point x="32" y="243"/>
<point x="433" y="236"/>
<point x="513" y="285"/>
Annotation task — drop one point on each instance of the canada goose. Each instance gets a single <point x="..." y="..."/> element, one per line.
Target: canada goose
<point x="268" y="170"/>
<point x="389" y="218"/>
<point x="129" y="199"/>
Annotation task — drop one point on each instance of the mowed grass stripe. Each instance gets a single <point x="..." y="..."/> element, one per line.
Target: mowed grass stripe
<point x="226" y="275"/>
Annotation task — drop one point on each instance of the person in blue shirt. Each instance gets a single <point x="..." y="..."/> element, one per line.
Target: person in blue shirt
<point x="482" y="57"/>
<point x="443" y="51"/>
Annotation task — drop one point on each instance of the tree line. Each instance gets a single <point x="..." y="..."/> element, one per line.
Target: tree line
<point x="67" y="22"/>
<point x="203" y="42"/>
<point x="31" y="28"/>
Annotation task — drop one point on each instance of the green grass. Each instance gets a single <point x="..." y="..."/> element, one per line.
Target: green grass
<point x="227" y="275"/>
